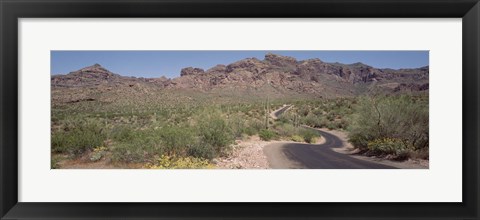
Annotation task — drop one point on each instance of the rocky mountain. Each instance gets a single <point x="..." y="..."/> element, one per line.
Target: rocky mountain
<point x="281" y="73"/>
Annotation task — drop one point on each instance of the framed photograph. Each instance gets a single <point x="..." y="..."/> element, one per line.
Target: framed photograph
<point x="251" y="110"/>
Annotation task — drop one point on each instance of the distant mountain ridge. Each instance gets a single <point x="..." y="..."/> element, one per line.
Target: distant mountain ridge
<point x="282" y="73"/>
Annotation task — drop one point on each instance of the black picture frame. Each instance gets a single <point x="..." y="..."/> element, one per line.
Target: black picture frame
<point x="12" y="10"/>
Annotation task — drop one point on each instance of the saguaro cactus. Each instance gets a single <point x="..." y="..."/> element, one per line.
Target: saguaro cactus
<point x="267" y="113"/>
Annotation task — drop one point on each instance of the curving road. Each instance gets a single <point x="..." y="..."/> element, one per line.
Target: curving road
<point x="275" y="114"/>
<point x="315" y="156"/>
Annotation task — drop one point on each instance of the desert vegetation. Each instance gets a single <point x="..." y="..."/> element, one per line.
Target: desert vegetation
<point x="391" y="125"/>
<point x="191" y="120"/>
<point x="186" y="135"/>
<point x="190" y="137"/>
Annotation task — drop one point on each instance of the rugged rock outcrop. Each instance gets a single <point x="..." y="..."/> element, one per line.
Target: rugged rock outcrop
<point x="281" y="73"/>
<point x="91" y="75"/>
<point x="218" y="69"/>
<point x="189" y="71"/>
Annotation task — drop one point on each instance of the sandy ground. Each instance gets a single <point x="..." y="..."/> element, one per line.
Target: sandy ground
<point x="85" y="164"/>
<point x="247" y="154"/>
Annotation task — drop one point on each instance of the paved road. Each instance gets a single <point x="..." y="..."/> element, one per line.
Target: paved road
<point x="315" y="156"/>
<point x="275" y="114"/>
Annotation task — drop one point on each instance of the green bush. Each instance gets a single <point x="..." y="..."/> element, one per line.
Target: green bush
<point x="403" y="118"/>
<point x="214" y="132"/>
<point x="387" y="146"/>
<point x="250" y="131"/>
<point x="78" y="137"/>
<point x="98" y="153"/>
<point x="237" y="125"/>
<point x="122" y="133"/>
<point x="54" y="162"/>
<point x="285" y="130"/>
<point x="206" y="136"/>
<point x="309" y="135"/>
<point x="176" y="140"/>
<point x="297" y="138"/>
<point x="202" y="151"/>
<point x="283" y="119"/>
<point x="266" y="135"/>
<point x="255" y="125"/>
<point x="342" y="124"/>
<point x="143" y="145"/>
<point x="141" y="148"/>
<point x="390" y="146"/>
<point x="168" y="162"/>
<point x="313" y="121"/>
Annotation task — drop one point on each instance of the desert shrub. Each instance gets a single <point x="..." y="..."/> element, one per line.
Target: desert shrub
<point x="202" y="151"/>
<point x="304" y="110"/>
<point x="421" y="153"/>
<point x="266" y="135"/>
<point x="240" y="125"/>
<point x="317" y="111"/>
<point x="54" y="162"/>
<point x="128" y="153"/>
<point x="333" y="125"/>
<point x="283" y="119"/>
<point x="254" y="126"/>
<point x="143" y="145"/>
<point x="215" y="132"/>
<point x="169" y="162"/>
<point x="286" y="117"/>
<point x="237" y="126"/>
<point x="141" y="148"/>
<point x="387" y="146"/>
<point x="331" y="116"/>
<point x="313" y="121"/>
<point x="250" y="131"/>
<point x="122" y="133"/>
<point x="309" y="135"/>
<point x="285" y="130"/>
<point x="403" y="118"/>
<point x="342" y="124"/>
<point x="297" y="138"/>
<point x="98" y="153"/>
<point x="207" y="135"/>
<point x="78" y="137"/>
<point x="176" y="140"/>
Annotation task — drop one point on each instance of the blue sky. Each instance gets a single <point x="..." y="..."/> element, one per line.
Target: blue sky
<point x="152" y="64"/>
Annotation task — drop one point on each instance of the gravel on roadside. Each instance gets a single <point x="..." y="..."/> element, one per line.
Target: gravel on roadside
<point x="246" y="154"/>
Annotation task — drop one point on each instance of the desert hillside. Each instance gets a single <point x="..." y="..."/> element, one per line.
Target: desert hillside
<point x="275" y="76"/>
